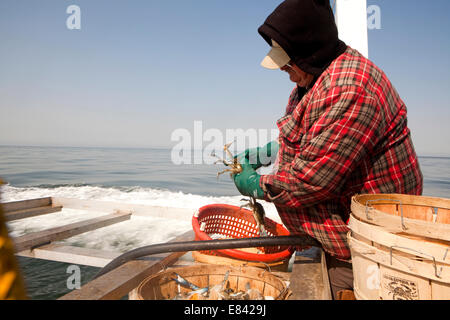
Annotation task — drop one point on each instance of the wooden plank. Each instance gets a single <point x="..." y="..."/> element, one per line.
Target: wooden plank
<point x="32" y="212"/>
<point x="135" y="209"/>
<point x="71" y="254"/>
<point x="25" y="204"/>
<point x="43" y="237"/>
<point x="326" y="292"/>
<point x="309" y="277"/>
<point x="120" y="281"/>
<point x="78" y="255"/>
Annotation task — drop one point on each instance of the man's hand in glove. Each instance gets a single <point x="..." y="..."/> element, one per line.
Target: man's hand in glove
<point x="260" y="156"/>
<point x="247" y="182"/>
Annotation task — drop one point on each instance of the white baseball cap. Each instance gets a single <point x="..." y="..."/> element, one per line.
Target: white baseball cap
<point x="276" y="58"/>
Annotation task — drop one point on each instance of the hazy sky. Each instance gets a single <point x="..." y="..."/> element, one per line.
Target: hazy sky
<point x="138" y="70"/>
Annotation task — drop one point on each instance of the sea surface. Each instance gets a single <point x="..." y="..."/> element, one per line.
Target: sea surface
<point x="140" y="176"/>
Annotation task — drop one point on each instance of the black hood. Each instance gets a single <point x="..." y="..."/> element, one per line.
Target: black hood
<point x="307" y="31"/>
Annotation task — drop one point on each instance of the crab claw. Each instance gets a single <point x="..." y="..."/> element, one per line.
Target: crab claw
<point x="225" y="147"/>
<point x="221" y="161"/>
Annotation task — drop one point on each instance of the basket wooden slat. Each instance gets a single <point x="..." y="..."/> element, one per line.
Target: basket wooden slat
<point x="415" y="215"/>
<point x="212" y="259"/>
<point x="440" y="250"/>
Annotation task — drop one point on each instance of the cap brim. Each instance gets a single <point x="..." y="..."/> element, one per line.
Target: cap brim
<point x="275" y="59"/>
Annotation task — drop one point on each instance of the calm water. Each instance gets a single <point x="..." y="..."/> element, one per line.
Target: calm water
<point x="53" y="167"/>
<point x="135" y="175"/>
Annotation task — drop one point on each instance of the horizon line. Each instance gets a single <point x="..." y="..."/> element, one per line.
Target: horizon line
<point x="419" y="154"/>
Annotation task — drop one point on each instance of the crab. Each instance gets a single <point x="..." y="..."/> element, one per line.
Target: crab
<point x="258" y="214"/>
<point x="235" y="166"/>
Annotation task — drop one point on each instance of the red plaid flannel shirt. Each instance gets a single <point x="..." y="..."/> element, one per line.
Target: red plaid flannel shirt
<point x="347" y="135"/>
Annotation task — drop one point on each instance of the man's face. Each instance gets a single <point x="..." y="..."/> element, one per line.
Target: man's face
<point x="298" y="76"/>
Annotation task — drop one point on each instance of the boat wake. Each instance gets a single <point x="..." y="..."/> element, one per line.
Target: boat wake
<point x="136" y="232"/>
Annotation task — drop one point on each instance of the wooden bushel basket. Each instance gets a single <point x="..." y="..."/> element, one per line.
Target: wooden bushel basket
<point x="161" y="287"/>
<point x="400" y="247"/>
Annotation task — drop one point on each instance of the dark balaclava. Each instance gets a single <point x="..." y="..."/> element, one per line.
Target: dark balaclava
<point x="307" y="31"/>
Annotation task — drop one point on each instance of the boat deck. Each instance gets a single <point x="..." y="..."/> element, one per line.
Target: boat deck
<point x="308" y="278"/>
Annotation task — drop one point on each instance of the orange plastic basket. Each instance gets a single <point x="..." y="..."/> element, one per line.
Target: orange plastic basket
<point x="232" y="222"/>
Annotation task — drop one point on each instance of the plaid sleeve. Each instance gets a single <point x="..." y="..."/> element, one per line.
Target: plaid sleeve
<point x="345" y="132"/>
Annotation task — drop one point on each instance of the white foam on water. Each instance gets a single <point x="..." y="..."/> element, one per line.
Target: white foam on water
<point x="124" y="236"/>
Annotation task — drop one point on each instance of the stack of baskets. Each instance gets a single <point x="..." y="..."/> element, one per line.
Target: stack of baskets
<point x="400" y="247"/>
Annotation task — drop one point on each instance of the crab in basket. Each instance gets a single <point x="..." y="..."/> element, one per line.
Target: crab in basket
<point x="220" y="291"/>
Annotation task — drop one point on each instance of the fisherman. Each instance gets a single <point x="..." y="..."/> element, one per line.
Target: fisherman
<point x="344" y="133"/>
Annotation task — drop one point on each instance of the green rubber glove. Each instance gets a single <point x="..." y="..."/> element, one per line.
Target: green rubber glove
<point x="260" y="156"/>
<point x="247" y="182"/>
